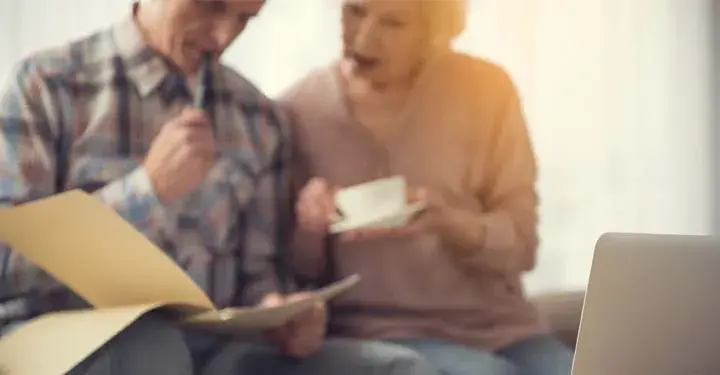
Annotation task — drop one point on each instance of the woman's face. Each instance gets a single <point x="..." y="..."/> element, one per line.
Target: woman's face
<point x="384" y="40"/>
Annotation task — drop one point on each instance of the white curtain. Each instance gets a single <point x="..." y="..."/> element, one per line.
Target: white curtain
<point x="617" y="93"/>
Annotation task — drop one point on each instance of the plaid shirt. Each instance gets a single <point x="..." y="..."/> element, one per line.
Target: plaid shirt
<point x="84" y="116"/>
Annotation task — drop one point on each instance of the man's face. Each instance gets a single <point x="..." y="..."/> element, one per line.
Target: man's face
<point x="384" y="40"/>
<point x="187" y="28"/>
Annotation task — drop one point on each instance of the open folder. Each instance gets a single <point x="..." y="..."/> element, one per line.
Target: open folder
<point x="87" y="246"/>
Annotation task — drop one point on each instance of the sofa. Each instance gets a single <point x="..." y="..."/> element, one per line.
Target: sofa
<point x="562" y="311"/>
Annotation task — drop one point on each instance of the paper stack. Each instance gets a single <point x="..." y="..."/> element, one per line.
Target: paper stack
<point x="87" y="246"/>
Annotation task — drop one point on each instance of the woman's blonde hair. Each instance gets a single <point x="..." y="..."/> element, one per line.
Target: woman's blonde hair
<point x="446" y="19"/>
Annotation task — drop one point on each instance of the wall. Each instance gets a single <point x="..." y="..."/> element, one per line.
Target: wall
<point x="714" y="20"/>
<point x="620" y="109"/>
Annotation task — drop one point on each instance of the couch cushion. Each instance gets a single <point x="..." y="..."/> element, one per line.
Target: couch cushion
<point x="562" y="311"/>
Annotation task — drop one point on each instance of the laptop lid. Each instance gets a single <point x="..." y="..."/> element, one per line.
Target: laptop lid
<point x="652" y="307"/>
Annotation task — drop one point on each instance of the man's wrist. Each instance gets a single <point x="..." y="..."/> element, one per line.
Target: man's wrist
<point x="133" y="197"/>
<point x="156" y="182"/>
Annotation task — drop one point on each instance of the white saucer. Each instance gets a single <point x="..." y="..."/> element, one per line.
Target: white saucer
<point x="394" y="220"/>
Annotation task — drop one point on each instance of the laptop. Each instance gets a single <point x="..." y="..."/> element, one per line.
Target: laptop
<point x="652" y="307"/>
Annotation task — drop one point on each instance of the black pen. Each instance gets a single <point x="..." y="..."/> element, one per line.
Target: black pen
<point x="204" y="80"/>
<point x="204" y="89"/>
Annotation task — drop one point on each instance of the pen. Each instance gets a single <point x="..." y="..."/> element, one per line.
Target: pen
<point x="204" y="90"/>
<point x="204" y="81"/>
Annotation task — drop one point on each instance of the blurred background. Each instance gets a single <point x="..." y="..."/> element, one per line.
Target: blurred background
<point x="619" y="94"/>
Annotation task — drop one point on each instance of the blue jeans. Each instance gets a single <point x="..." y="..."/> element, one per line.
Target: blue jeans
<point x="154" y="347"/>
<point x="540" y="355"/>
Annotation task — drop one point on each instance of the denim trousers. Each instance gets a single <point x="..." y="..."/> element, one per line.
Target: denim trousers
<point x="153" y="347"/>
<point x="539" y="355"/>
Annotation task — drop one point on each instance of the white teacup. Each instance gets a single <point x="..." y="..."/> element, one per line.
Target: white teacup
<point x="373" y="199"/>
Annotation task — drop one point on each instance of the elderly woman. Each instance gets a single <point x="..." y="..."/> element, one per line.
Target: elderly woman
<point x="401" y="102"/>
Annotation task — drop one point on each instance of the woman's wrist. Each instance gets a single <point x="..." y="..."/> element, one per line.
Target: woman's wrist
<point x="462" y="227"/>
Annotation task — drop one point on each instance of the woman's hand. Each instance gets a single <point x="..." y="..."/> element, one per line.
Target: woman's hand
<point x="444" y="214"/>
<point x="413" y="226"/>
<point x="455" y="219"/>
<point x="315" y="208"/>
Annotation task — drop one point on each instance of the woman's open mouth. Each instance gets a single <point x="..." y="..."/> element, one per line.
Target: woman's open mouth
<point x="364" y="63"/>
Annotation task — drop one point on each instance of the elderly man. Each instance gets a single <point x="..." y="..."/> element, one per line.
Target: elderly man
<point x="112" y="114"/>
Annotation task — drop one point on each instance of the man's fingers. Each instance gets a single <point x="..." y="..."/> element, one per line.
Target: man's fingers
<point x="304" y="344"/>
<point x="308" y="335"/>
<point x="195" y="141"/>
<point x="198" y="153"/>
<point x="303" y="334"/>
<point x="192" y="134"/>
<point x="313" y="316"/>
<point x="191" y="118"/>
<point x="282" y="335"/>
<point x="193" y="115"/>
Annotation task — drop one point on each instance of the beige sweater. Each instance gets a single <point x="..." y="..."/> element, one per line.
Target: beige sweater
<point x="464" y="133"/>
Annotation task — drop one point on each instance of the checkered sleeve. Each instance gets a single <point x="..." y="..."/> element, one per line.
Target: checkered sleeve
<point x="31" y="135"/>
<point x="27" y="163"/>
<point x="269" y="221"/>
<point x="134" y="198"/>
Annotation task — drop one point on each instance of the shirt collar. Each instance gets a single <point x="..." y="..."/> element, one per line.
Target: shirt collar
<point x="144" y="66"/>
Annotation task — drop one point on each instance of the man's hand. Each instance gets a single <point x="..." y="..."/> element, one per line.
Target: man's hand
<point x="305" y="334"/>
<point x="181" y="155"/>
